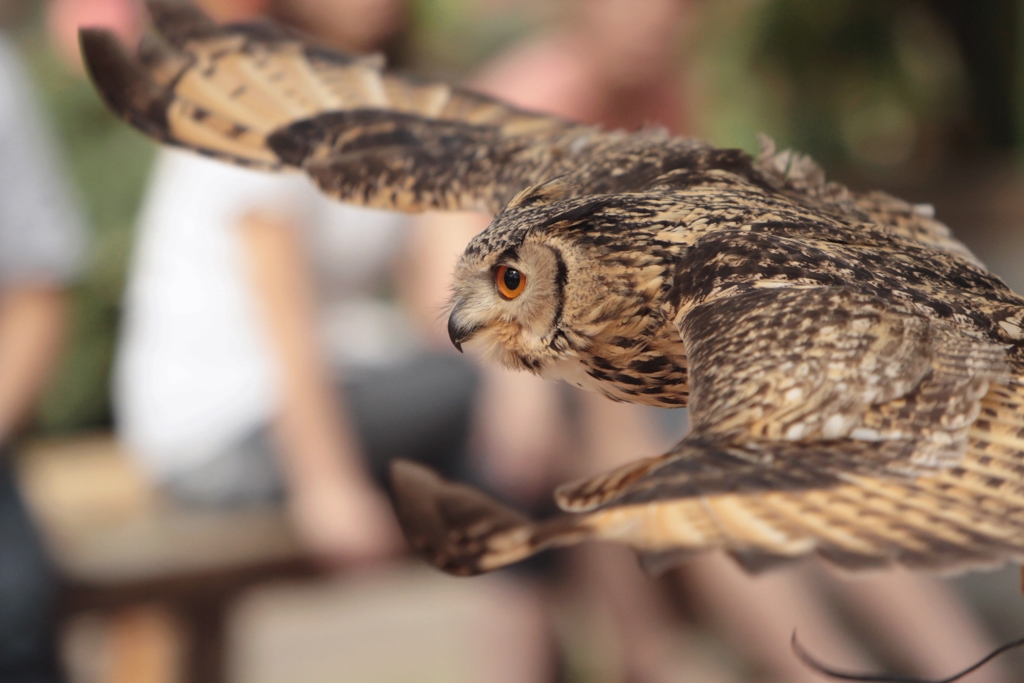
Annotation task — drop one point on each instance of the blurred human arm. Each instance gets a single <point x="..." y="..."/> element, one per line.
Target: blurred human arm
<point x="338" y="511"/>
<point x="32" y="323"/>
<point x="42" y="245"/>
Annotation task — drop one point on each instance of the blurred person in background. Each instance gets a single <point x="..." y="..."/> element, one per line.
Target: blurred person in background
<point x="617" y="63"/>
<point x="42" y="243"/>
<point x="265" y="353"/>
<point x="249" y="296"/>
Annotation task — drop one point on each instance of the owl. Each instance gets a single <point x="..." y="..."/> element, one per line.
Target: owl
<point x="855" y="377"/>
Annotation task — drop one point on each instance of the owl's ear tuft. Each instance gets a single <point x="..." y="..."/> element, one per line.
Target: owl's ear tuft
<point x="560" y="187"/>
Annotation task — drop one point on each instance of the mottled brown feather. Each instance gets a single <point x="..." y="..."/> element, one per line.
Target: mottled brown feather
<point x="228" y="91"/>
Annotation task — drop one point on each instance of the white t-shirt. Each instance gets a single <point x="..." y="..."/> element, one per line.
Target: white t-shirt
<point x="194" y="373"/>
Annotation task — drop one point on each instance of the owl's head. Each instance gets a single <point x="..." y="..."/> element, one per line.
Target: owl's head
<point x="509" y="300"/>
<point x="548" y="278"/>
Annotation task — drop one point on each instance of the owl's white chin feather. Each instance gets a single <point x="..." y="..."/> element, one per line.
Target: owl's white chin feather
<point x="489" y="348"/>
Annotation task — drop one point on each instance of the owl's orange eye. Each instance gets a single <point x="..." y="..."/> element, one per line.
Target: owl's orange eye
<point x="510" y="282"/>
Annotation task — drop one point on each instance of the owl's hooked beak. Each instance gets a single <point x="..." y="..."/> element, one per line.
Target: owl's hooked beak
<point x="458" y="331"/>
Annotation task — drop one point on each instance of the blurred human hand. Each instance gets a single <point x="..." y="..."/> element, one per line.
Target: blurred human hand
<point x="345" y="522"/>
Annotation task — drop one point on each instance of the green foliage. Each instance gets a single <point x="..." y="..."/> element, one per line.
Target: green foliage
<point x="454" y="37"/>
<point x="108" y="163"/>
<point x="853" y="82"/>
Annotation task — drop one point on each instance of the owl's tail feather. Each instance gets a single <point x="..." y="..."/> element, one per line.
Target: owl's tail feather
<point x="463" y="531"/>
<point x="224" y="90"/>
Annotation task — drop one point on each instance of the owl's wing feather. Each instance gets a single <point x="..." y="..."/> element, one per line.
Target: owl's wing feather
<point x="818" y="363"/>
<point x="258" y="95"/>
<point x="879" y="458"/>
<point x="763" y="507"/>
<point x="768" y="504"/>
<point x="262" y="96"/>
<point x="762" y="513"/>
<point x="800" y="177"/>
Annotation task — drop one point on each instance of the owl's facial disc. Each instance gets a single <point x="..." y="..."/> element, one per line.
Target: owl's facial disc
<point x="508" y="306"/>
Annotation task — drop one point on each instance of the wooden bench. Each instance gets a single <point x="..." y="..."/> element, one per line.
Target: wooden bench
<point x="124" y="550"/>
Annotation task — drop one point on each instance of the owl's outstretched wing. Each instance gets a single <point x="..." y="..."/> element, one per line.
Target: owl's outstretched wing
<point x="258" y="95"/>
<point x="823" y="421"/>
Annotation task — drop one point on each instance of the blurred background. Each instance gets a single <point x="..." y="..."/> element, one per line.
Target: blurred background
<point x="924" y="99"/>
